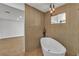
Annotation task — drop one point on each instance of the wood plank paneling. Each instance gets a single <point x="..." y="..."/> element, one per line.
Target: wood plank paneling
<point x="66" y="33"/>
<point x="34" y="21"/>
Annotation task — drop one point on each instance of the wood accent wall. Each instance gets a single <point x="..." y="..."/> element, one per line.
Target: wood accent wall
<point x="34" y="22"/>
<point x="68" y="33"/>
<point x="77" y="22"/>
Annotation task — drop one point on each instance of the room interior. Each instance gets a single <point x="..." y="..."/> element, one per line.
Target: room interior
<point x="37" y="17"/>
<point x="24" y="25"/>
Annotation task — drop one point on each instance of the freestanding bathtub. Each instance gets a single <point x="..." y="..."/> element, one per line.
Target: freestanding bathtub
<point x="51" y="47"/>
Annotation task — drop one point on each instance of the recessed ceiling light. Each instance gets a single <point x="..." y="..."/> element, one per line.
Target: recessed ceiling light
<point x="8" y="12"/>
<point x="20" y="16"/>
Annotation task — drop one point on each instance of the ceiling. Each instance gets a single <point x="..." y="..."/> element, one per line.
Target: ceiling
<point x="44" y="6"/>
<point x="11" y="13"/>
<point x="15" y="11"/>
<point x="19" y="6"/>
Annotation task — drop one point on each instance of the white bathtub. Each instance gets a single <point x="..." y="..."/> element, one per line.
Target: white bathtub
<point x="51" y="47"/>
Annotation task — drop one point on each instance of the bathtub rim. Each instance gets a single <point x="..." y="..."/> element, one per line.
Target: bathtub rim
<point x="51" y="50"/>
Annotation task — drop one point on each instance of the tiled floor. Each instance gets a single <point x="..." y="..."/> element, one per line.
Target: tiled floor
<point x="35" y="52"/>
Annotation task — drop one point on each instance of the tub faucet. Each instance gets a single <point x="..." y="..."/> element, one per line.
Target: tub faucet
<point x="44" y="32"/>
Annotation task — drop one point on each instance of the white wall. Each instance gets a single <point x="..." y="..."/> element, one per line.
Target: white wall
<point x="11" y="28"/>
